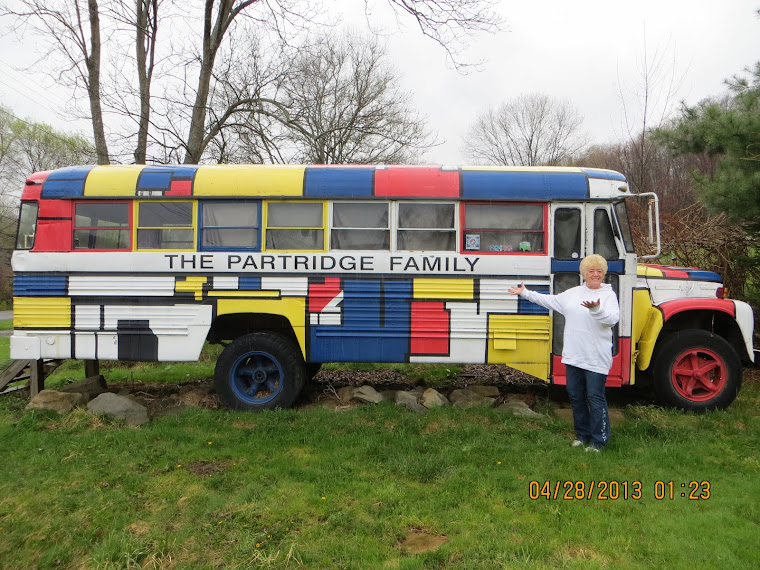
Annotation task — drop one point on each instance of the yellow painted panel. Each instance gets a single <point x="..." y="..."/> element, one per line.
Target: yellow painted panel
<point x="249" y="180"/>
<point x="191" y="284"/>
<point x="522" y="342"/>
<point x="649" y="334"/>
<point x="444" y="289"/>
<point x="42" y="312"/>
<point x="645" y="271"/>
<point x="112" y="180"/>
<point x="292" y="308"/>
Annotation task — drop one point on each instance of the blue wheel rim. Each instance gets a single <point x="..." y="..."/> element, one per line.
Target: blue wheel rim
<point x="256" y="378"/>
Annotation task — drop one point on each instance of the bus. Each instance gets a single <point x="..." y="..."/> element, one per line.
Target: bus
<point x="293" y="266"/>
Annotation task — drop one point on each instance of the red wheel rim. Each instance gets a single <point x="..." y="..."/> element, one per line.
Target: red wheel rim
<point x="699" y="374"/>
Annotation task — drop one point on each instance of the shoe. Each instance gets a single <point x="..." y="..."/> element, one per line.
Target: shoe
<point x="577" y="443"/>
<point x="593" y="448"/>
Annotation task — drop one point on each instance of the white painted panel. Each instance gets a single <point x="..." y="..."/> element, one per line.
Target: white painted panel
<point x="121" y="286"/>
<point x="226" y="283"/>
<point x="287" y="286"/>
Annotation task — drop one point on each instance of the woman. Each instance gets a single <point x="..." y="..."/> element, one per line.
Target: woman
<point x="590" y="310"/>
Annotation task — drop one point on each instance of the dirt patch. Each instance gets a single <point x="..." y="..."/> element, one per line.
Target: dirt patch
<point x="419" y="541"/>
<point x="206" y="468"/>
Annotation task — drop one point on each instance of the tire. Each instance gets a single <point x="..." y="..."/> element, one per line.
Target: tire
<point x="312" y="369"/>
<point x="259" y="371"/>
<point x="696" y="370"/>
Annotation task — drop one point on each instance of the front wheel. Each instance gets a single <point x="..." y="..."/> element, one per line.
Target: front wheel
<point x="696" y="370"/>
<point x="259" y="371"/>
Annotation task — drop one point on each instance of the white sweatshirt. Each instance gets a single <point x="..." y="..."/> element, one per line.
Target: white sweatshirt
<point x="588" y="332"/>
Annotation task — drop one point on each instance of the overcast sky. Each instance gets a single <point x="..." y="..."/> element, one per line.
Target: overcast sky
<point x="586" y="52"/>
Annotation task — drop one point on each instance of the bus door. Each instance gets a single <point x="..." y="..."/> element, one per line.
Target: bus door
<point x="579" y="230"/>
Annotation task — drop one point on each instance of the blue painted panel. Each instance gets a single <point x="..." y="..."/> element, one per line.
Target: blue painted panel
<point x="154" y="179"/>
<point x="526" y="307"/>
<point x="487" y="185"/>
<point x="570" y="266"/>
<point x="66" y="182"/>
<point x="249" y="283"/>
<point x="47" y="285"/>
<point x="701" y="275"/>
<point x="604" y="174"/>
<point x="338" y="182"/>
<point x="376" y="324"/>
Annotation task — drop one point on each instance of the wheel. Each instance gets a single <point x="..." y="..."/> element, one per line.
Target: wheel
<point x="696" y="370"/>
<point x="259" y="371"/>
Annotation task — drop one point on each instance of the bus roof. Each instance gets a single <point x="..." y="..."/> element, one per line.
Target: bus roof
<point x="332" y="181"/>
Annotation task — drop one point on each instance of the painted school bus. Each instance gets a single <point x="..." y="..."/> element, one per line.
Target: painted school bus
<point x="294" y="266"/>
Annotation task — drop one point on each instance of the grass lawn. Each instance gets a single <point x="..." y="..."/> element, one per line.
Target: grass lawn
<point x="380" y="487"/>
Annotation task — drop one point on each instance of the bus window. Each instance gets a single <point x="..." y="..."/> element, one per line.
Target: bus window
<point x="165" y="225"/>
<point x="360" y="225"/>
<point x="229" y="225"/>
<point x="604" y="239"/>
<point x="621" y="212"/>
<point x="101" y="225"/>
<point x="295" y="225"/>
<point x="426" y="226"/>
<point x="27" y="225"/>
<point x="504" y="228"/>
<point x="567" y="233"/>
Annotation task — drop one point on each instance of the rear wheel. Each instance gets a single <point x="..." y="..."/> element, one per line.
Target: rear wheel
<point x="696" y="370"/>
<point x="259" y="371"/>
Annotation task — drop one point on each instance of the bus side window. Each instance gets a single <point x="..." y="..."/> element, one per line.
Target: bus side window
<point x="27" y="224"/>
<point x="567" y="233"/>
<point x="504" y="228"/>
<point x="360" y="225"/>
<point x="102" y="225"/>
<point x="295" y="225"/>
<point x="604" y="238"/>
<point x="229" y="225"/>
<point x="426" y="226"/>
<point x="165" y="225"/>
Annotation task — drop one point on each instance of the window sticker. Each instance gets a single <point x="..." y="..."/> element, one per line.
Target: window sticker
<point x="472" y="241"/>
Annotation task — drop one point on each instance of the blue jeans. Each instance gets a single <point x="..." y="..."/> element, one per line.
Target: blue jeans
<point x="590" y="415"/>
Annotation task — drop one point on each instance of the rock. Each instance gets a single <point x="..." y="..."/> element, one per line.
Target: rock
<point x="61" y="402"/>
<point x="518" y="408"/>
<point x="404" y="398"/>
<point x="346" y="394"/>
<point x="119" y="407"/>
<point x="471" y="402"/>
<point x="89" y="387"/>
<point x="462" y="394"/>
<point x="409" y="401"/>
<point x="433" y="399"/>
<point x="486" y="391"/>
<point x="368" y="395"/>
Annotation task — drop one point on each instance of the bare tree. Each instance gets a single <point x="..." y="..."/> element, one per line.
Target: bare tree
<point x="71" y="28"/>
<point x="181" y="118"/>
<point x="529" y="130"/>
<point x="338" y="102"/>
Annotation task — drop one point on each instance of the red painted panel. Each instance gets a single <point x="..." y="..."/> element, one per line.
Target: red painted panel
<point x="416" y="181"/>
<point x="430" y="328"/>
<point x="31" y="192"/>
<point x="53" y="235"/>
<point x="670" y="308"/>
<point x="620" y="373"/>
<point x="180" y="188"/>
<point x="55" y="209"/>
<point x="53" y="226"/>
<point x="321" y="294"/>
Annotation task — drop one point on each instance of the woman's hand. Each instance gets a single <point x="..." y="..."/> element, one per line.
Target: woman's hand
<point x="517" y="290"/>
<point x="591" y="304"/>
